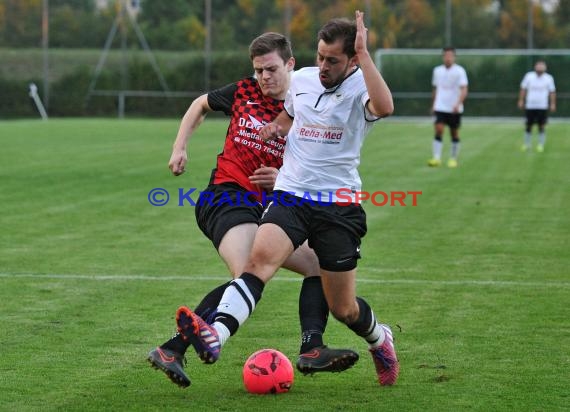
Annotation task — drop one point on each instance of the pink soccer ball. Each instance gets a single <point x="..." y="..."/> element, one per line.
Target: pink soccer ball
<point x="268" y="371"/>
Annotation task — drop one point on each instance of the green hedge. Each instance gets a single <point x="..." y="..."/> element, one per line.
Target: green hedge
<point x="68" y="91"/>
<point x="404" y="74"/>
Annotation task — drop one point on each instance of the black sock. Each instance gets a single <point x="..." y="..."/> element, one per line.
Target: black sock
<point x="177" y="344"/>
<point x="313" y="313"/>
<point x="254" y="284"/>
<point x="366" y="321"/>
<point x="206" y="309"/>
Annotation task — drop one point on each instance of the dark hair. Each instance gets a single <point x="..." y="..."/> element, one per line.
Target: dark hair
<point x="449" y="48"/>
<point x="340" y="29"/>
<point x="270" y="42"/>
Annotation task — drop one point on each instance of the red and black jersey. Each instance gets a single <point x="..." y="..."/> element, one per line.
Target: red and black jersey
<point x="244" y="151"/>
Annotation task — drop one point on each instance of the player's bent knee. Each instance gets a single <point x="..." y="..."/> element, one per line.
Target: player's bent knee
<point x="261" y="269"/>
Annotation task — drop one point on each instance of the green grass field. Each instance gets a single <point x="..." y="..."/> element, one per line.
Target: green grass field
<point x="477" y="275"/>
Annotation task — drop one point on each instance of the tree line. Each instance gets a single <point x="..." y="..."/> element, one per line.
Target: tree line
<point x="180" y="24"/>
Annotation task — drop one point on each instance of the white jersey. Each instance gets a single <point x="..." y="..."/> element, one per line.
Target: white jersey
<point x="538" y="88"/>
<point x="322" y="153"/>
<point x="448" y="83"/>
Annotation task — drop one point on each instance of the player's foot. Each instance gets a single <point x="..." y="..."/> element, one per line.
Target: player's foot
<point x="385" y="360"/>
<point x="324" y="359"/>
<point x="540" y="148"/>
<point x="524" y="148"/>
<point x="434" y="162"/>
<point x="202" y="336"/>
<point x="452" y="163"/>
<point x="170" y="363"/>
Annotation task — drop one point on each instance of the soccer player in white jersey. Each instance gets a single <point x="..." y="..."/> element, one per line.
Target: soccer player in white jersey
<point x="449" y="83"/>
<point x="229" y="209"/>
<point x="537" y="95"/>
<point x="328" y="111"/>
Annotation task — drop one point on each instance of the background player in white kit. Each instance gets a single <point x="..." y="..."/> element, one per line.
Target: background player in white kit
<point x="537" y="94"/>
<point x="328" y="111"/>
<point x="449" y="83"/>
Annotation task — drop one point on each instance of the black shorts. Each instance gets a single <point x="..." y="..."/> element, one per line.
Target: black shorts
<point x="221" y="207"/>
<point x="453" y="120"/>
<point x="537" y="116"/>
<point x="334" y="231"/>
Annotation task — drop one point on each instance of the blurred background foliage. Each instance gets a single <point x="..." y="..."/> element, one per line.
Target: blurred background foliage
<point x="177" y="33"/>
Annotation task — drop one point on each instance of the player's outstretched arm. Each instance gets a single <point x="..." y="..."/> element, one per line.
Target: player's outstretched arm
<point x="190" y="122"/>
<point x="381" y="103"/>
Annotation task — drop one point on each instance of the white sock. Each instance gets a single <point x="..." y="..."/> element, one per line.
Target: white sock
<point x="527" y="138"/>
<point x="237" y="301"/>
<point x="437" y="145"/>
<point x="541" y="138"/>
<point x="455" y="150"/>
<point x="223" y="332"/>
<point x="376" y="337"/>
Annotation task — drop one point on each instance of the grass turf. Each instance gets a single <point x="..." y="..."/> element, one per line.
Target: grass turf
<point x="475" y="276"/>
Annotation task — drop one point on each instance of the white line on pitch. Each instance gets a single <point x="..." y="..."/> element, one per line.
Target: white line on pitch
<point x="278" y="278"/>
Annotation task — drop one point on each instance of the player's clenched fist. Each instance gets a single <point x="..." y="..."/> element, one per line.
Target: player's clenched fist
<point x="177" y="162"/>
<point x="270" y="131"/>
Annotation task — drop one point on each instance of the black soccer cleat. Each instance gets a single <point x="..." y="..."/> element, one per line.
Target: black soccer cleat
<point x="170" y="363"/>
<point x="324" y="359"/>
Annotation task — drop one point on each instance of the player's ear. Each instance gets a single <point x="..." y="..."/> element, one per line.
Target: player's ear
<point x="353" y="61"/>
<point x="290" y="64"/>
